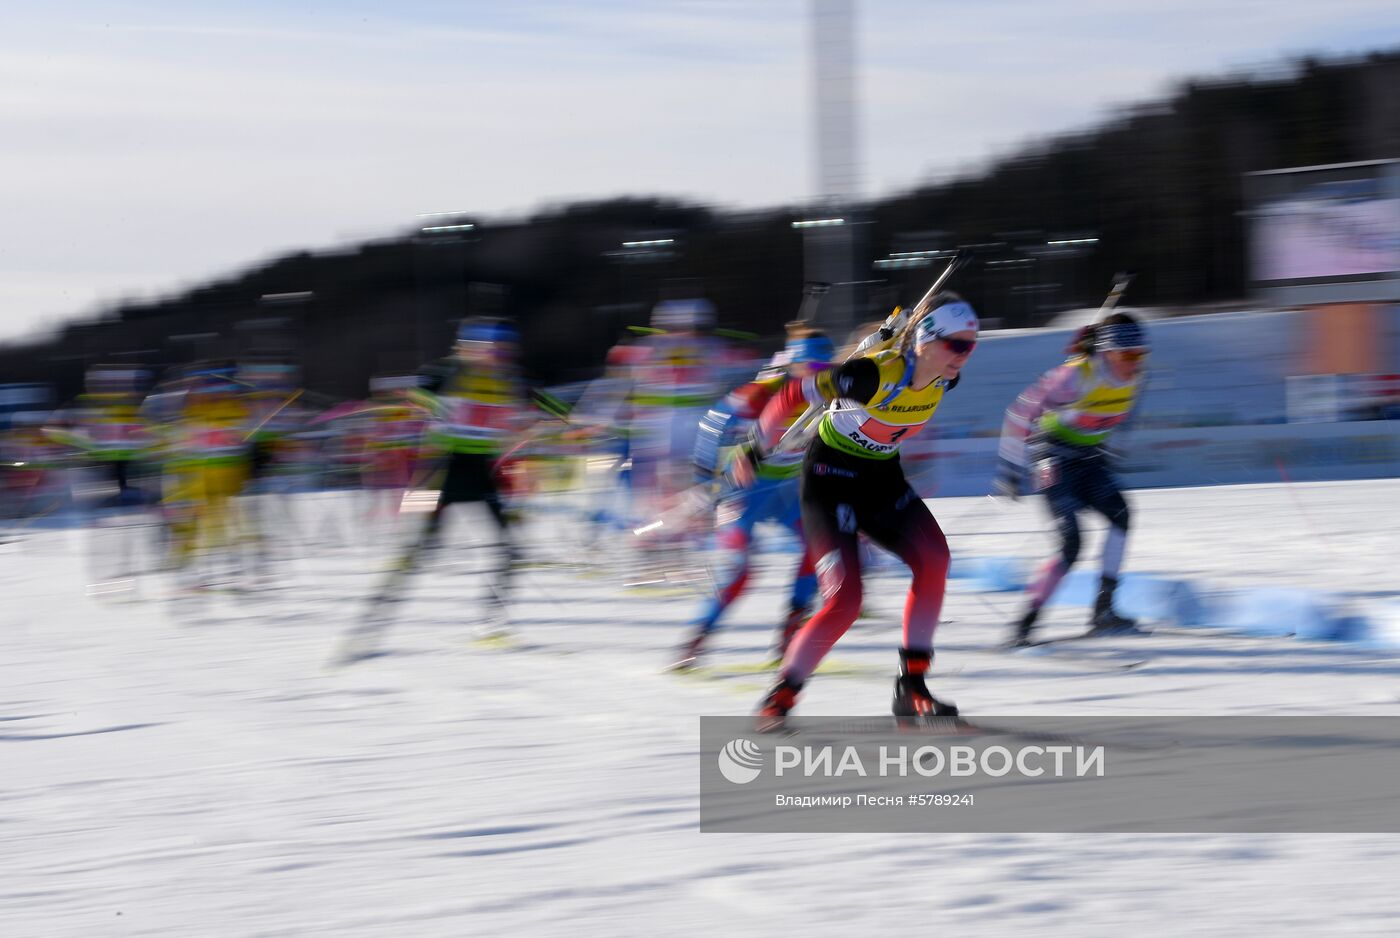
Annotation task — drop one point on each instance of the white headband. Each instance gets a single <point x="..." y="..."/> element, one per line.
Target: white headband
<point x="946" y="320"/>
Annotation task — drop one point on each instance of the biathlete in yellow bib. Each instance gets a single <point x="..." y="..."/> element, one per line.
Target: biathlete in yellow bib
<point x="1058" y="429"/>
<point x="206" y="454"/>
<point x="852" y="483"/>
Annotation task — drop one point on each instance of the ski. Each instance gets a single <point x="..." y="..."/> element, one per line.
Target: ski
<point x="828" y="668"/>
<point x="1069" y="650"/>
<point x="509" y="640"/>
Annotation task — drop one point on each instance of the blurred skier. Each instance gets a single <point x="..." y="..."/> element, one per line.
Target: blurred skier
<point x="766" y="487"/>
<point x="105" y="429"/>
<point x="852" y="482"/>
<point x="393" y="429"/>
<point x="1059" y="427"/>
<point x="31" y="465"/>
<point x="275" y="415"/>
<point x="270" y="396"/>
<point x="676" y="373"/>
<point x="476" y="405"/>
<point x="207" y="454"/>
<point x="105" y="425"/>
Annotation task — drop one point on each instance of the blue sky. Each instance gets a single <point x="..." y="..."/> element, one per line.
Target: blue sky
<point x="148" y="146"/>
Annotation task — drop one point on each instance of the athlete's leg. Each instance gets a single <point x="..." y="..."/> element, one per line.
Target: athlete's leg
<point x="1101" y="493"/>
<point x="735" y="541"/>
<point x="458" y="485"/>
<point x="788" y="512"/>
<point x="477" y="483"/>
<point x="907" y="529"/>
<point x="1062" y="499"/>
<point x="830" y="520"/>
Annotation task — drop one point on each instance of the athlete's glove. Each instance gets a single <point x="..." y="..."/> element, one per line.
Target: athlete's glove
<point x="743" y="468"/>
<point x="1008" y="481"/>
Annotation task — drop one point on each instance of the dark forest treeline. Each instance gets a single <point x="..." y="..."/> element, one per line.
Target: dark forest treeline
<point x="1159" y="186"/>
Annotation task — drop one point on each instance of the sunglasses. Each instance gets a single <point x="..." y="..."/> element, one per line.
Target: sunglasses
<point x="960" y="346"/>
<point x="1132" y="354"/>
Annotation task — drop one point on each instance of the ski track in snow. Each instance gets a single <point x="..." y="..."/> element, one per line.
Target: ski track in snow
<point x="194" y="768"/>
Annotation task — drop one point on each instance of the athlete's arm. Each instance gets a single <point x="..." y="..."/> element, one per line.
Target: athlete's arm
<point x="1057" y="387"/>
<point x="857" y="380"/>
<point x="726" y="425"/>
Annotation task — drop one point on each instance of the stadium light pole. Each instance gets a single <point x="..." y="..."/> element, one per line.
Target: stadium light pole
<point x="829" y="237"/>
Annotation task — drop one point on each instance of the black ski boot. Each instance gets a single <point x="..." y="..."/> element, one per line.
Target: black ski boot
<point x="772" y="713"/>
<point x="1104" y="620"/>
<point x="1021" y="638"/>
<point x="689" y="654"/>
<point x="911" y="694"/>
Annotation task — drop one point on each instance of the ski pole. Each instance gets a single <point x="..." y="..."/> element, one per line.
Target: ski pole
<point x="1120" y="284"/>
<point x="262" y="423"/>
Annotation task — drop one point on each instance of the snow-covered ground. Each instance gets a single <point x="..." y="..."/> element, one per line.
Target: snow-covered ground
<point x="194" y="768"/>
